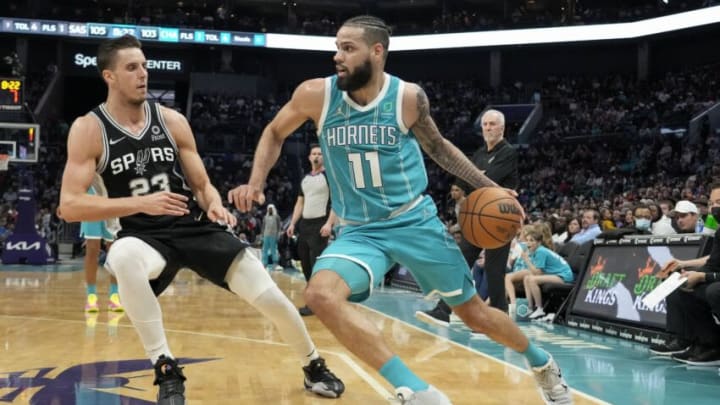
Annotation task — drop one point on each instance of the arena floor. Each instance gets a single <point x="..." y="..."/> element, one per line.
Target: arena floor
<point x="52" y="353"/>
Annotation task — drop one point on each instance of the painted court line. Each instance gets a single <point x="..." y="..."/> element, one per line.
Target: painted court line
<point x="487" y="356"/>
<point x="371" y="381"/>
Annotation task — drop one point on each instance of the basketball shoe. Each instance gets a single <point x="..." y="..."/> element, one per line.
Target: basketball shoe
<point x="170" y="379"/>
<point x="305" y="311"/>
<point x="114" y="304"/>
<point x="436" y="316"/>
<point x="674" y="346"/>
<point x="91" y="304"/>
<point x="552" y="385"/>
<point x="321" y="381"/>
<point x="430" y="396"/>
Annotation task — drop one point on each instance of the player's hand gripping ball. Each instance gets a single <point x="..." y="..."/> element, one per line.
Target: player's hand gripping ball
<point x="490" y="217"/>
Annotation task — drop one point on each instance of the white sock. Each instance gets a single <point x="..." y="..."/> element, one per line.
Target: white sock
<point x="248" y="279"/>
<point x="143" y="309"/>
<point x="134" y="262"/>
<point x="278" y="309"/>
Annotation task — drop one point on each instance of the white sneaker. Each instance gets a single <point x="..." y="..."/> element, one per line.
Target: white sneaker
<point x="548" y="318"/>
<point x="537" y="313"/>
<point x="454" y="319"/>
<point x="279" y="268"/>
<point x="430" y="396"/>
<point x="553" y="388"/>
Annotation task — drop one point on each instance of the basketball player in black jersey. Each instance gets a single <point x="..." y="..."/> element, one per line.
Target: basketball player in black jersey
<point x="153" y="190"/>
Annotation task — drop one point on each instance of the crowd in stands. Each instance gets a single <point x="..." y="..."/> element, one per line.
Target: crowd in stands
<point x="559" y="177"/>
<point x="620" y="105"/>
<point x="309" y="18"/>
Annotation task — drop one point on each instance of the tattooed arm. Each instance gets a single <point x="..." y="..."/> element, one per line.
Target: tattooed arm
<point x="416" y="115"/>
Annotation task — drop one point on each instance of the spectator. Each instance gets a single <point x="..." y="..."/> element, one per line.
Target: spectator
<point x="560" y="229"/>
<point x="590" y="228"/>
<point x="478" y="271"/>
<point x="519" y="269"/>
<point x="271" y="231"/>
<point x="642" y="219"/>
<point x="607" y="219"/>
<point x="641" y="225"/>
<point x="686" y="217"/>
<point x="693" y="312"/>
<point x="573" y="229"/>
<point x="628" y="218"/>
<point x="543" y="266"/>
<point x="663" y="226"/>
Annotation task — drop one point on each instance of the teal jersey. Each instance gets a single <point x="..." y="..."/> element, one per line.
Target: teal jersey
<point x="373" y="163"/>
<point x="551" y="263"/>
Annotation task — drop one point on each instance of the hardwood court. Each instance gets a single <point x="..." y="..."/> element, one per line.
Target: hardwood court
<point x="52" y="354"/>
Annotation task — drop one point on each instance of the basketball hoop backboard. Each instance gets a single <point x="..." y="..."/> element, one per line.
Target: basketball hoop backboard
<point x="21" y="141"/>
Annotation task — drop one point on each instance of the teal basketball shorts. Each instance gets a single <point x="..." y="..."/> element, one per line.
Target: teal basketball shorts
<point x="95" y="230"/>
<point x="416" y="239"/>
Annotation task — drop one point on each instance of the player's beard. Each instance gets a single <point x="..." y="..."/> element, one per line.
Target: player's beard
<point x="357" y="79"/>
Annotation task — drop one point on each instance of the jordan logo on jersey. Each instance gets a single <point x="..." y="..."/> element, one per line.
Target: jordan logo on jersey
<point x="341" y="113"/>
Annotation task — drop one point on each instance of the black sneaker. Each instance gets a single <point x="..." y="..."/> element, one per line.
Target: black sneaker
<point x="674" y="346"/>
<point x="693" y="351"/>
<point x="169" y="377"/>
<point x="320" y="380"/>
<point x="708" y="356"/>
<point x="435" y="316"/>
<point x="305" y="311"/>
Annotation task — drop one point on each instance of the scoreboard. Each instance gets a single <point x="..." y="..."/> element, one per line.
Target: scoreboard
<point x="11" y="94"/>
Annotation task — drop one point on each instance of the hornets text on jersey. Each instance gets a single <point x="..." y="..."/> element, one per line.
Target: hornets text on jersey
<point x="370" y="149"/>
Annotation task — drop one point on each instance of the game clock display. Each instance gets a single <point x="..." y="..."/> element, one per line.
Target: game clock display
<point x="11" y="94"/>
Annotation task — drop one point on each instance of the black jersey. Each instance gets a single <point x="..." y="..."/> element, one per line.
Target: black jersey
<point x="135" y="165"/>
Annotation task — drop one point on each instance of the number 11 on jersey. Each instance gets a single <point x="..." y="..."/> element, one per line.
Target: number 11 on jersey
<point x="356" y="162"/>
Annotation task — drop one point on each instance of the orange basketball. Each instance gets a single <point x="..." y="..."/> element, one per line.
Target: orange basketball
<point x="490" y="217"/>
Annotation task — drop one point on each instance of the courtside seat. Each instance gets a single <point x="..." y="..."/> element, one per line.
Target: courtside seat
<point x="577" y="257"/>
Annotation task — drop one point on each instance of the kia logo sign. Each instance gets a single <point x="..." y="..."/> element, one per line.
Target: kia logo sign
<point x="22" y="245"/>
<point x="157" y="65"/>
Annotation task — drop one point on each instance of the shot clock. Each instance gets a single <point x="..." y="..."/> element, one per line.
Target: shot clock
<point x="11" y="94"/>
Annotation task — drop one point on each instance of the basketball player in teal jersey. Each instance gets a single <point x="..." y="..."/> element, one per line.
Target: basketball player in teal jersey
<point x="372" y="127"/>
<point x="94" y="233"/>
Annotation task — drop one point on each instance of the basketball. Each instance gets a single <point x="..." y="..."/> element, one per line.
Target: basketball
<point x="490" y="217"/>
